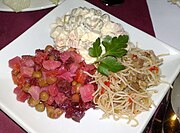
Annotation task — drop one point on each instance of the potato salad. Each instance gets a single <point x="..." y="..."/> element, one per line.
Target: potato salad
<point x="81" y="27"/>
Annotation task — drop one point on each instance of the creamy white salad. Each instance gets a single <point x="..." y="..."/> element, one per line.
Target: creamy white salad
<point x="81" y="27"/>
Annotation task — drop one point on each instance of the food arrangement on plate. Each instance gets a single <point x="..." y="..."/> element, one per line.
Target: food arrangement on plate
<point x="93" y="64"/>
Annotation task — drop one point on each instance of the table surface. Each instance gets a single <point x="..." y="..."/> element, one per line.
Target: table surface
<point x="12" y="25"/>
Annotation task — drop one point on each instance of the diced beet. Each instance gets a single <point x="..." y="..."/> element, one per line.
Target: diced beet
<point x="69" y="112"/>
<point x="62" y="70"/>
<point x="51" y="65"/>
<point x="74" y="89"/>
<point x="75" y="113"/>
<point x="73" y="67"/>
<point x="87" y="67"/>
<point x="65" y="56"/>
<point x="14" y="63"/>
<point x="67" y="67"/>
<point x="64" y="86"/>
<point x="20" y="94"/>
<point x="32" y="81"/>
<point x="55" y="53"/>
<point x="78" y="115"/>
<point x="26" y="71"/>
<point x="29" y="63"/>
<point x="37" y="67"/>
<point x="65" y="105"/>
<point x="50" y="73"/>
<point x="27" y="60"/>
<point x="77" y="57"/>
<point x="69" y="61"/>
<point x="17" y="90"/>
<point x="40" y="56"/>
<point x="67" y="76"/>
<point x="53" y="90"/>
<point x="34" y="91"/>
<point x="45" y="88"/>
<point x="86" y="92"/>
<point x="60" y="98"/>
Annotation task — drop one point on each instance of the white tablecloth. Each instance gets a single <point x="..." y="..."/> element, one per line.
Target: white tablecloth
<point x="166" y="21"/>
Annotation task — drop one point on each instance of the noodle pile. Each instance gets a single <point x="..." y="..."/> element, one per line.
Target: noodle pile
<point x="124" y="94"/>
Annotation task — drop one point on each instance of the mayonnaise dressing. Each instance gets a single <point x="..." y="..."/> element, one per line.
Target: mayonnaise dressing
<point x="80" y="28"/>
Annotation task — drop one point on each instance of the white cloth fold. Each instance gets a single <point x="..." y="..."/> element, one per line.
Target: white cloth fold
<point x="165" y="17"/>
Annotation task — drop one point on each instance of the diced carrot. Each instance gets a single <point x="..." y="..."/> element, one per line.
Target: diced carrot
<point x="154" y="68"/>
<point x="107" y="83"/>
<point x="80" y="77"/>
<point x="130" y="100"/>
<point x="102" y="90"/>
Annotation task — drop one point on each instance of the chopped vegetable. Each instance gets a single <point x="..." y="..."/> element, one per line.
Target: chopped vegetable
<point x="130" y="100"/>
<point x="86" y="92"/>
<point x="52" y="80"/>
<point x="80" y="77"/>
<point x="107" y="83"/>
<point x="154" y="68"/>
<point x="40" y="107"/>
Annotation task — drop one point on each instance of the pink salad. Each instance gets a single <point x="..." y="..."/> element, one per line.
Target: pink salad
<point x="55" y="82"/>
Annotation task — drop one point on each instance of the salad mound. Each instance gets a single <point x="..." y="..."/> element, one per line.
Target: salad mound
<point x="54" y="81"/>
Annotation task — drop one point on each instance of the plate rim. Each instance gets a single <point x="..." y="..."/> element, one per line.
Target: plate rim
<point x="5" y="8"/>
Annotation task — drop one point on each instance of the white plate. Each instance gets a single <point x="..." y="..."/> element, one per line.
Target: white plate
<point x="37" y="37"/>
<point x="35" y="5"/>
<point x="175" y="96"/>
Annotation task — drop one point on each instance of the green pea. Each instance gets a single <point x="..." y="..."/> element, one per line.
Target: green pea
<point x="40" y="107"/>
<point x="44" y="96"/>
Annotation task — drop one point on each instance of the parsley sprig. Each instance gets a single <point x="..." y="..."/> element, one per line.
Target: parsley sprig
<point x="114" y="49"/>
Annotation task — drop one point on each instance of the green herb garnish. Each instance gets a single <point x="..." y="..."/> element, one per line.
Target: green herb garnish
<point x="114" y="49"/>
<point x="96" y="50"/>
